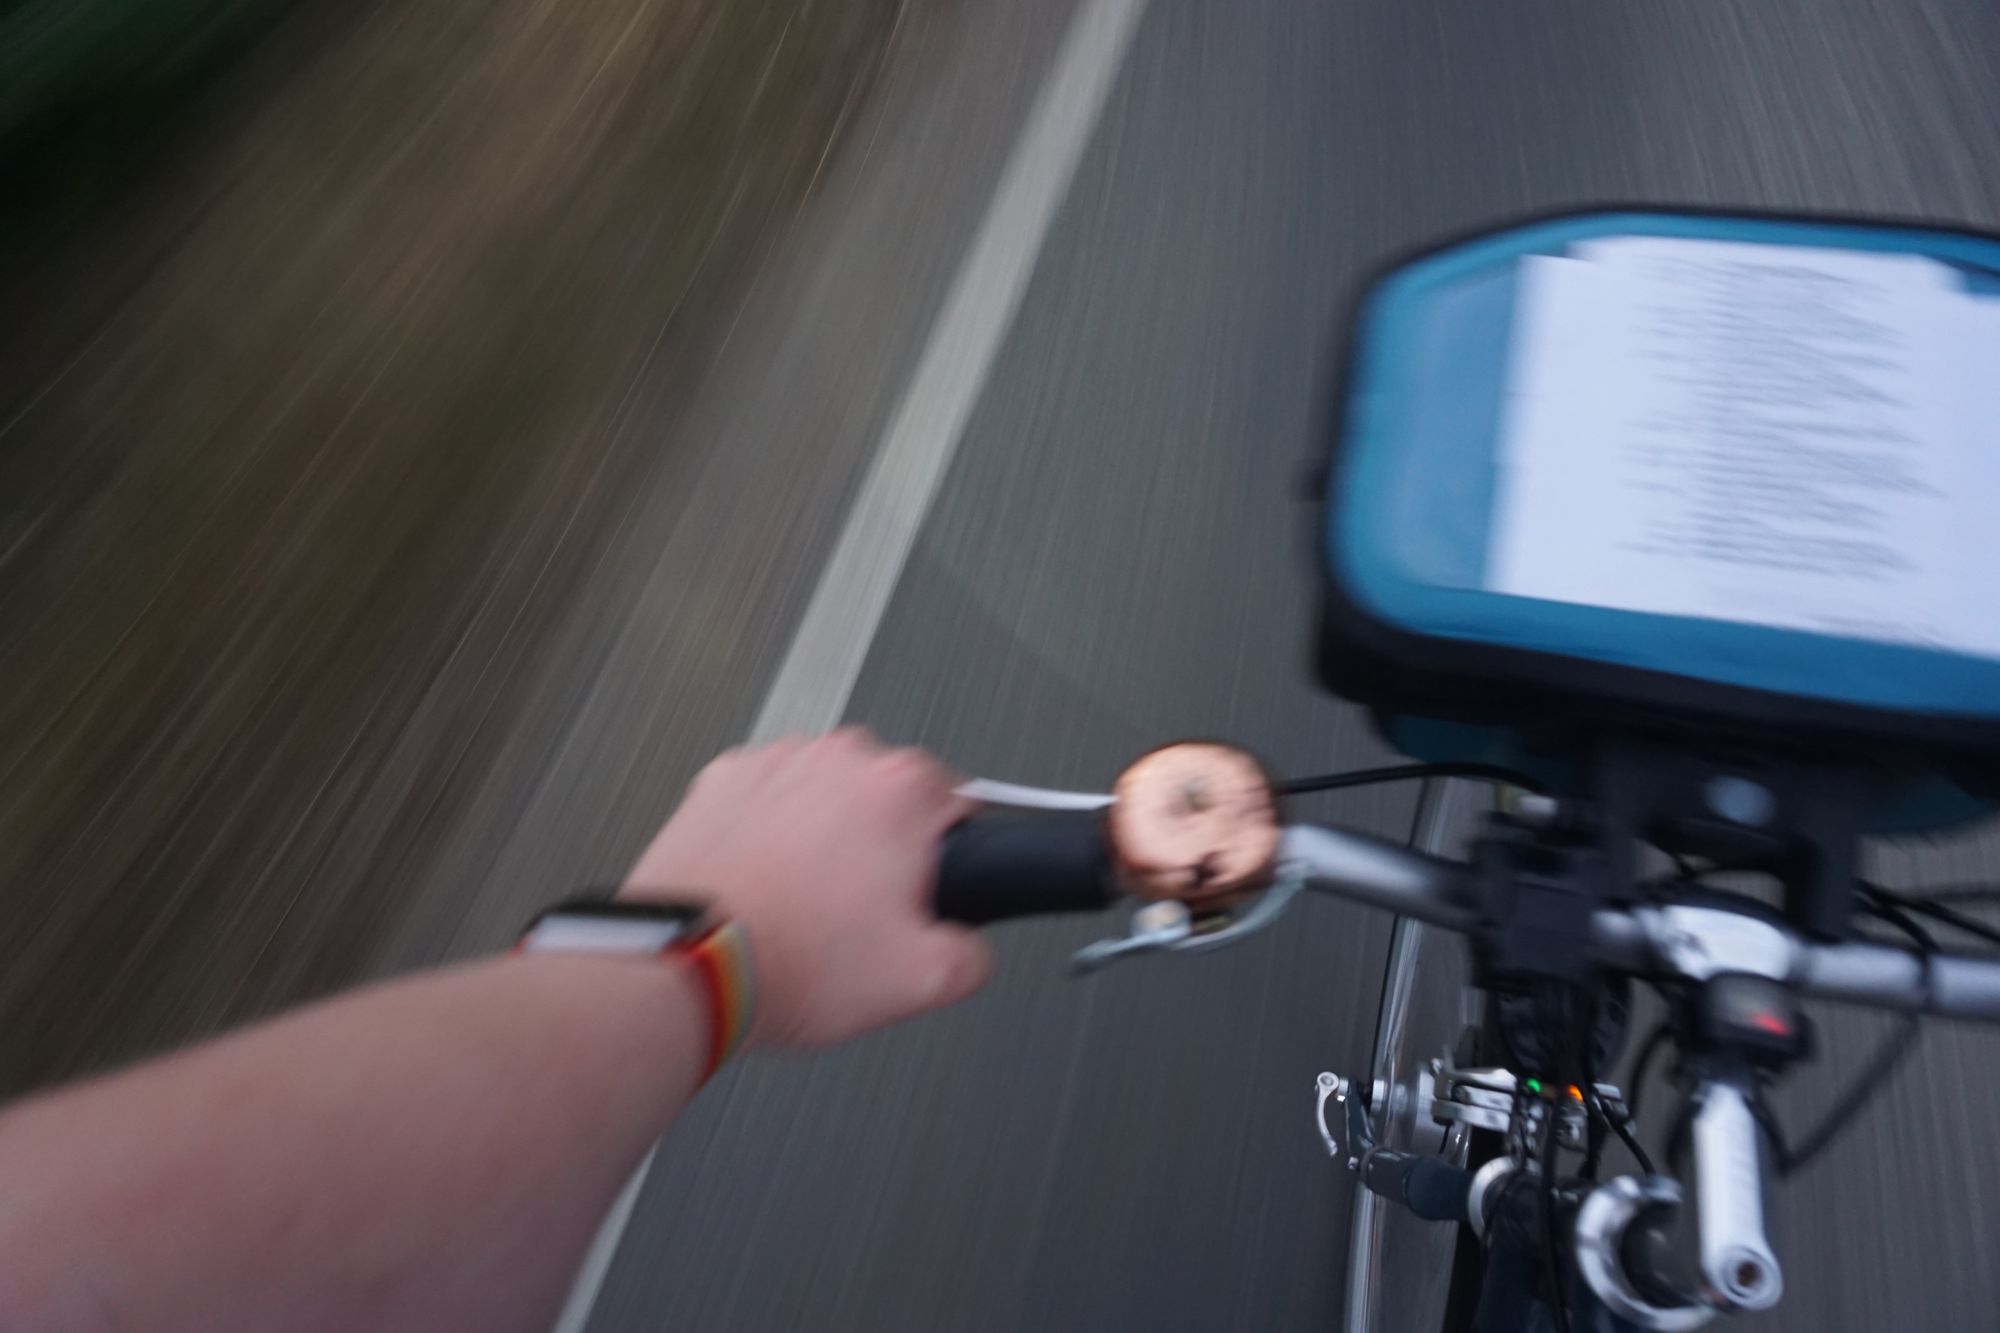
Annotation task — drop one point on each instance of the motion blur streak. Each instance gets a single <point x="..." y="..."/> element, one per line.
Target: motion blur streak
<point x="419" y="457"/>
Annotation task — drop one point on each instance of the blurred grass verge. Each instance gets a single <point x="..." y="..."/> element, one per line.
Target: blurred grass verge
<point x="97" y="65"/>
<point x="337" y="340"/>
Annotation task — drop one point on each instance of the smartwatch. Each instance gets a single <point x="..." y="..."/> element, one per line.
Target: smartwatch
<point x="713" y="947"/>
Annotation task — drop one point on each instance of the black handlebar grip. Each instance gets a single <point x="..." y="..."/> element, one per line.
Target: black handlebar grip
<point x="998" y="867"/>
<point x="1430" y="1187"/>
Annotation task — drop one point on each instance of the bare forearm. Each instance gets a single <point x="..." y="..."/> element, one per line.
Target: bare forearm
<point x="434" y="1154"/>
<point x="429" y="1154"/>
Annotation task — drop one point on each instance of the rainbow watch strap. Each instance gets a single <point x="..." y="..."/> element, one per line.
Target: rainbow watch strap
<point x="716" y="949"/>
<point x="721" y="956"/>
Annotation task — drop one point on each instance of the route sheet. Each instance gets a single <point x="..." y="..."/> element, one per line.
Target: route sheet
<point x="1797" y="437"/>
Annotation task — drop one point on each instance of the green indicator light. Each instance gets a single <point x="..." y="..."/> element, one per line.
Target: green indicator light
<point x="1534" y="1085"/>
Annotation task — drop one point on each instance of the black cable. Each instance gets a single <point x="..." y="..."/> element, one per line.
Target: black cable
<point x="1959" y="893"/>
<point x="1368" y="777"/>
<point x="1893" y="1051"/>
<point x="1655" y="1039"/>
<point x="1601" y="1114"/>
<point x="1558" y="1298"/>
<point x="1575" y="1010"/>
<point x="1555" y="1003"/>
<point x="1648" y="1048"/>
<point x="1593" y="1137"/>
<point x="1688" y="874"/>
<point x="1781" y="1152"/>
<point x="1678" y="1134"/>
<point x="1936" y="911"/>
<point x="1887" y="909"/>
<point x="1624" y="1131"/>
<point x="1595" y="1121"/>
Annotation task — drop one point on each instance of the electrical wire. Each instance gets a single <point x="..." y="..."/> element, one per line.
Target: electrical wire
<point x="1631" y="1140"/>
<point x="1368" y="777"/>
<point x="1558" y="1298"/>
<point x="1927" y="945"/>
<point x="1774" y="1133"/>
<point x="1895" y="1048"/>
<point x="1936" y="911"/>
<point x="1650" y="1047"/>
<point x="990" y="792"/>
<point x="1601" y="1114"/>
<point x="1959" y="893"/>
<point x="1575" y="1010"/>
<point x="1594" y="1134"/>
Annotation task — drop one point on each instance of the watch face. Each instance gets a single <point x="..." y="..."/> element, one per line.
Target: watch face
<point x="613" y="927"/>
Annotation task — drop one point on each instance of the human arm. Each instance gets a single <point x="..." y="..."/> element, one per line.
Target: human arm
<point x="435" y="1152"/>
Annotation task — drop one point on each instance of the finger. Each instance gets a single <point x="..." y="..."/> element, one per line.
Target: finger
<point x="927" y="789"/>
<point x="956" y="809"/>
<point x="851" y="738"/>
<point x="720" y="772"/>
<point x="737" y="772"/>
<point x="922" y="771"/>
<point x="958" y="962"/>
<point x="779" y="750"/>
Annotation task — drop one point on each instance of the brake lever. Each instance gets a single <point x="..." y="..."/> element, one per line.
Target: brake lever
<point x="1169" y="924"/>
<point x="1154" y="926"/>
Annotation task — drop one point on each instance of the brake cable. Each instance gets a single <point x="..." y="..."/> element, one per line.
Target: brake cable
<point x="1936" y="911"/>
<point x="1960" y="893"/>
<point x="1650" y="1047"/>
<point x="1020" y="796"/>
<point x="1894" y="1049"/>
<point x="1498" y="774"/>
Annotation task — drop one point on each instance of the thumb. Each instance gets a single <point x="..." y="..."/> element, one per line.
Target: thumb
<point x="959" y="963"/>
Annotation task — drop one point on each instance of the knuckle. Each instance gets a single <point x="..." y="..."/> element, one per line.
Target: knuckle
<point x="719" y="767"/>
<point x="926" y="771"/>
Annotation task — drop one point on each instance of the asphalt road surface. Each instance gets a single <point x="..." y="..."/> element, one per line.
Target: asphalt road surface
<point x="1117" y="556"/>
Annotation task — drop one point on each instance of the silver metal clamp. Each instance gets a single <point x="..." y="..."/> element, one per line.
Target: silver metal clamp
<point x="1601" y="1225"/>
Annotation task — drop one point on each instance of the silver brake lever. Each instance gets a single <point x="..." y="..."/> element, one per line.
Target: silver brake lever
<point x="1154" y="926"/>
<point x="1169" y="925"/>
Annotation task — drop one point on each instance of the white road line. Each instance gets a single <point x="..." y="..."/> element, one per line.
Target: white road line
<point x="827" y="651"/>
<point x="811" y="691"/>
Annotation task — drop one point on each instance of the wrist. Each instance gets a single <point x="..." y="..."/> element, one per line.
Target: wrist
<point x="655" y="1018"/>
<point x="762" y="938"/>
<point x="662" y="934"/>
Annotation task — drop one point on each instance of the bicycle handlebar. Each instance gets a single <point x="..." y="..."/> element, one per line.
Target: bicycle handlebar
<point x="994" y="869"/>
<point x="1641" y="940"/>
<point x="997" y="869"/>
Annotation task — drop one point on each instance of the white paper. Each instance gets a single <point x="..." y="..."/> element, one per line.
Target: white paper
<point x="1668" y="256"/>
<point x="1785" y="436"/>
<point x="1974" y="339"/>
